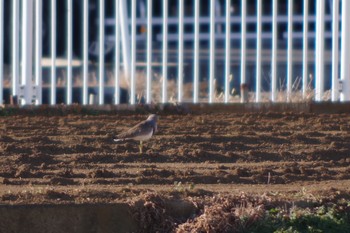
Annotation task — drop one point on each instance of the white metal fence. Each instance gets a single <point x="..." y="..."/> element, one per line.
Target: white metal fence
<point x="160" y="30"/>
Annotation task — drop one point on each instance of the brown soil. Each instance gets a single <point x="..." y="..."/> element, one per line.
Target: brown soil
<point x="73" y="158"/>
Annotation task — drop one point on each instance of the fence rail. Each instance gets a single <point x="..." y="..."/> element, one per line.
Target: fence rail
<point x="187" y="45"/>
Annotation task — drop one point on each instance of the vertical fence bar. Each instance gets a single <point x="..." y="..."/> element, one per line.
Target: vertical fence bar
<point x="117" y="54"/>
<point x="133" y="50"/>
<point x="85" y="51"/>
<point x="27" y="58"/>
<point x="70" y="51"/>
<point x="305" y="47"/>
<point x="196" y="52"/>
<point x="335" y="50"/>
<point x="290" y="51"/>
<point x="102" y="53"/>
<point x="149" y="52"/>
<point x="125" y="38"/>
<point x="212" y="51"/>
<point x="345" y="55"/>
<point x="258" y="51"/>
<point x="165" y="51"/>
<point x="274" y="52"/>
<point x="38" y="51"/>
<point x="320" y="7"/>
<point x="53" y="52"/>
<point x="15" y="46"/>
<point x="227" y="51"/>
<point x="181" y="51"/>
<point x="1" y="51"/>
<point x="243" y="44"/>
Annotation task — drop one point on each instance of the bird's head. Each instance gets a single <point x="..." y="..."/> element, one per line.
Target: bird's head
<point x="152" y="117"/>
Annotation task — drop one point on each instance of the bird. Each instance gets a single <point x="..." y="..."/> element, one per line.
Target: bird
<point x="141" y="132"/>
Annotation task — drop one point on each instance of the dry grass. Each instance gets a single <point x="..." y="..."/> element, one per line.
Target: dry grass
<point x="296" y="94"/>
<point x="242" y="213"/>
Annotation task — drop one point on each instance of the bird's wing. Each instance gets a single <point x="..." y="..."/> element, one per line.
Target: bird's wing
<point x="140" y="129"/>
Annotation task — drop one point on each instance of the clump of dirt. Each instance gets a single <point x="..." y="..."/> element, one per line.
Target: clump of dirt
<point x="225" y="214"/>
<point x="101" y="173"/>
<point x="23" y="171"/>
<point x="156" y="213"/>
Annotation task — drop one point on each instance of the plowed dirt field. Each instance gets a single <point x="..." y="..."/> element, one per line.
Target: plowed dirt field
<point x="73" y="159"/>
<point x="75" y="155"/>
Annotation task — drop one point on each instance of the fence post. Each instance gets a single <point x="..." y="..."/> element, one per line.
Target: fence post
<point x="258" y="51"/>
<point x="149" y="52"/>
<point x="27" y="58"/>
<point x="117" y="54"/>
<point x="290" y="51"/>
<point x="319" y="73"/>
<point x="133" y="52"/>
<point x="165" y="52"/>
<point x="70" y="51"/>
<point x="305" y="47"/>
<point x="335" y="51"/>
<point x="196" y="52"/>
<point x="53" y="52"/>
<point x="38" y="51"/>
<point x="125" y="36"/>
<point x="243" y="49"/>
<point x="212" y="51"/>
<point x="274" y="52"/>
<point x="1" y="50"/>
<point x="181" y="50"/>
<point x="228" y="48"/>
<point x="102" y="53"/>
<point x="15" y="47"/>
<point x="85" y="51"/>
<point x="345" y="55"/>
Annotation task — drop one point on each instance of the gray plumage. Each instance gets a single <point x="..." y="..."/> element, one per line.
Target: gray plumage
<point x="140" y="132"/>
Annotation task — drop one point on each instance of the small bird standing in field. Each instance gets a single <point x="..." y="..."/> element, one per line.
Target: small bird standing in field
<point x="140" y="132"/>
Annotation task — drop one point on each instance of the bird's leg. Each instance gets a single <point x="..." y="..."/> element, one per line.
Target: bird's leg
<point x="141" y="145"/>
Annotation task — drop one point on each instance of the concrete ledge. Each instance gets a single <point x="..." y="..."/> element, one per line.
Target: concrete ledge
<point x="67" y="218"/>
<point x="86" y="218"/>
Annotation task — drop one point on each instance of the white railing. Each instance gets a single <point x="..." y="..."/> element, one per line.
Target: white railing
<point x="25" y="78"/>
<point x="345" y="45"/>
<point x="1" y="48"/>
